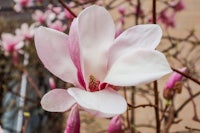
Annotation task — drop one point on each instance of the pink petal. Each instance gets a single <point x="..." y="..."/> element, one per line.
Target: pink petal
<point x="57" y="100"/>
<point x="51" y="46"/>
<point x="73" y="121"/>
<point x="74" y="51"/>
<point x="137" y="67"/>
<point x="175" y="77"/>
<point x="104" y="103"/>
<point x="115" y="125"/>
<point x="96" y="34"/>
<point x="141" y="36"/>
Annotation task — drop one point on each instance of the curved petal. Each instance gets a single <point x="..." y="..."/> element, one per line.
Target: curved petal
<point x="57" y="100"/>
<point x="141" y="36"/>
<point x="74" y="51"/>
<point x="139" y="67"/>
<point x="96" y="34"/>
<point x="51" y="46"/>
<point x="104" y="103"/>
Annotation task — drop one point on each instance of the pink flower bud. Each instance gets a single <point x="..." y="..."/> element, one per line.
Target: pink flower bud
<point x="178" y="6"/>
<point x="173" y="84"/>
<point x="73" y="122"/>
<point x="52" y="83"/>
<point x="115" y="125"/>
<point x="167" y="20"/>
<point x="121" y="10"/>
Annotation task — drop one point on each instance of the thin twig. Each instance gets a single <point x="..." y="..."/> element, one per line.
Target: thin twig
<point x="156" y="100"/>
<point x="127" y="114"/>
<point x="142" y="105"/>
<point x="186" y="75"/>
<point x="186" y="102"/>
<point x="67" y="8"/>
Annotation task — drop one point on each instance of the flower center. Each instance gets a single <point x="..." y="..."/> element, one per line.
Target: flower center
<point x="93" y="84"/>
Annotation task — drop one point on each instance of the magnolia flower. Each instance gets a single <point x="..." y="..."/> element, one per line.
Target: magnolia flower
<point x="73" y="121"/>
<point x="11" y="43"/>
<point x="39" y="16"/>
<point x="115" y="125"/>
<point x="93" y="60"/>
<point x="22" y="3"/>
<point x="25" y="31"/>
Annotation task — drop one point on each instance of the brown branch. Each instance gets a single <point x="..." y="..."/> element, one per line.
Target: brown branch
<point x="192" y="129"/>
<point x="186" y="75"/>
<point x="142" y="105"/>
<point x="67" y="8"/>
<point x="127" y="114"/>
<point x="170" y="120"/>
<point x="156" y="108"/>
<point x="185" y="103"/>
<point x="163" y="113"/>
<point x="33" y="84"/>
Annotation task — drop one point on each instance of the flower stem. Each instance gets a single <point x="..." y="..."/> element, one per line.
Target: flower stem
<point x="156" y="100"/>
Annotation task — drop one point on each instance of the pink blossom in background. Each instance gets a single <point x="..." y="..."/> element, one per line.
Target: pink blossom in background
<point x="39" y="17"/>
<point x="11" y="43"/>
<point x="168" y="21"/>
<point x="52" y="83"/>
<point x="68" y="14"/>
<point x="19" y="4"/>
<point x="57" y="25"/>
<point x="93" y="60"/>
<point x="177" y="6"/>
<point x="54" y="9"/>
<point x="73" y="121"/>
<point x="121" y="10"/>
<point x="115" y="125"/>
<point x="25" y="31"/>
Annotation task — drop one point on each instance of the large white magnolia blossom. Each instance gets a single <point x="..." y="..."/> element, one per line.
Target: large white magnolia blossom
<point x="92" y="59"/>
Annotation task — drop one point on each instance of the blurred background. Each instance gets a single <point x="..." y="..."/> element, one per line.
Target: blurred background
<point x="24" y="80"/>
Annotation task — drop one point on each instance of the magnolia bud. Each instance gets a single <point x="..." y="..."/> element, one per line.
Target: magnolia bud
<point x="121" y="10"/>
<point x="73" y="122"/>
<point x="174" y="84"/>
<point x="115" y="125"/>
<point x="52" y="83"/>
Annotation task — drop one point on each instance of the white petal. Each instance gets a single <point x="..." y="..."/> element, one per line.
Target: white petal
<point x="51" y="46"/>
<point x="141" y="36"/>
<point x="104" y="103"/>
<point x="139" y="67"/>
<point x="96" y="34"/>
<point x="57" y="100"/>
